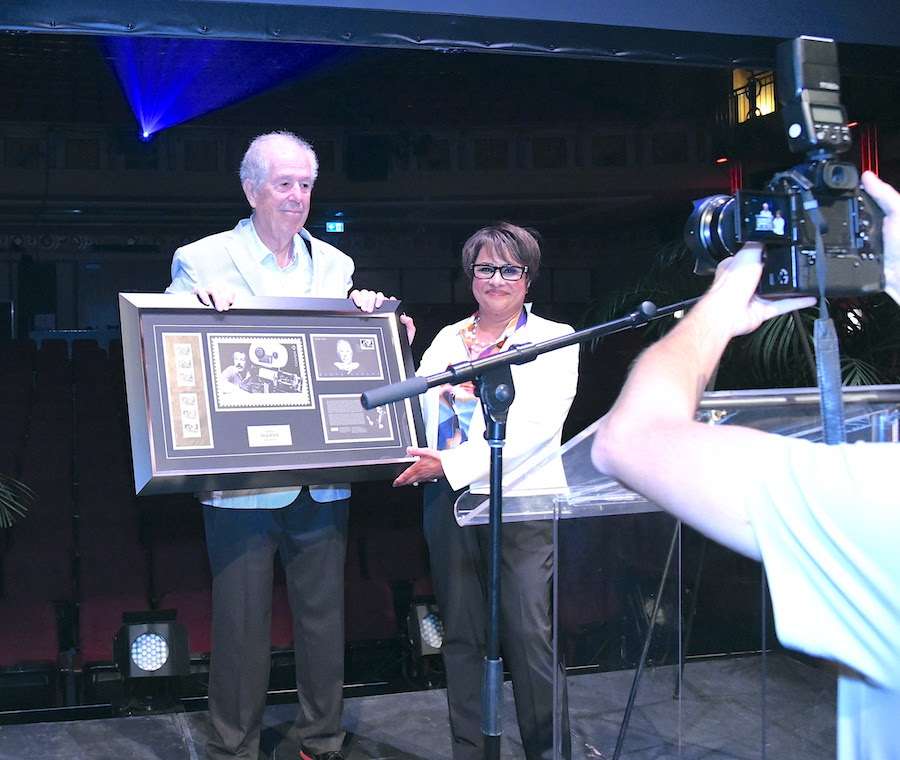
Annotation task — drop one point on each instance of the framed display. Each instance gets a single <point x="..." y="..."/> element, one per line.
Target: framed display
<point x="265" y="394"/>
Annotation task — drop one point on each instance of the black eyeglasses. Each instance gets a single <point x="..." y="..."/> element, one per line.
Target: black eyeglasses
<point x="507" y="271"/>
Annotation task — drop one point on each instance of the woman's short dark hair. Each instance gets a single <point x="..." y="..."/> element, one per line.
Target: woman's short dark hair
<point x="516" y="243"/>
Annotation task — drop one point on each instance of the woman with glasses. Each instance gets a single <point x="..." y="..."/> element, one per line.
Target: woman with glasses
<point x="501" y="262"/>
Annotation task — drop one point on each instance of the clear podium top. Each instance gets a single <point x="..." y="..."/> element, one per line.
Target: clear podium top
<point x="872" y="413"/>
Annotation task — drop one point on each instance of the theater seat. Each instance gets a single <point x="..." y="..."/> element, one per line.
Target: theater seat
<point x="369" y="611"/>
<point x="395" y="554"/>
<point x="181" y="581"/>
<point x="193" y="608"/>
<point x="29" y="633"/>
<point x="282" y="624"/>
<point x="99" y="618"/>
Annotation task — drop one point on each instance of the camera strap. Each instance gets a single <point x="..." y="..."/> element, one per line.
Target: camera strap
<point x="825" y="341"/>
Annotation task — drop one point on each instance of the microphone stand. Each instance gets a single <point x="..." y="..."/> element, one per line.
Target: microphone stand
<point x="496" y="390"/>
<point x="494" y="384"/>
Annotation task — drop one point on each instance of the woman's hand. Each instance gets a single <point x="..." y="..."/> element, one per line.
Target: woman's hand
<point x="428" y="467"/>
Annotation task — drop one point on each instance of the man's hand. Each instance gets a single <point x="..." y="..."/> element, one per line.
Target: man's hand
<point x="369" y="300"/>
<point x="219" y="298"/>
<point x="889" y="200"/>
<point x="733" y="292"/>
<point x="407" y="322"/>
<point x="428" y="467"/>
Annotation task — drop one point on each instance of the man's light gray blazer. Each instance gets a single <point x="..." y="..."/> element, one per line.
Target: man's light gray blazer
<point x="226" y="260"/>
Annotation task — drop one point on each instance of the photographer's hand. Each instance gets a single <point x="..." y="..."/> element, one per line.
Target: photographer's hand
<point x="889" y="200"/>
<point x="738" y="309"/>
<point x="650" y="439"/>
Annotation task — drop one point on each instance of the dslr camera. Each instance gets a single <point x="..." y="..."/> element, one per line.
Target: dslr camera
<point x="821" y="195"/>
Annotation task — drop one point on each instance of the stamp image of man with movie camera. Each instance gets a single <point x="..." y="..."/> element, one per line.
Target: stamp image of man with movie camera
<point x="265" y="371"/>
<point x="276" y="367"/>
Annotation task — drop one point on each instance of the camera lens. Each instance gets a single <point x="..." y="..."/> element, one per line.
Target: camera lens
<point x="709" y="232"/>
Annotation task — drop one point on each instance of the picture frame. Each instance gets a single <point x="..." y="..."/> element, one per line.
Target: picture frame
<point x="265" y="394"/>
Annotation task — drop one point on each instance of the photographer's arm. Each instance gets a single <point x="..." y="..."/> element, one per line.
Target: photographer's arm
<point x="650" y="440"/>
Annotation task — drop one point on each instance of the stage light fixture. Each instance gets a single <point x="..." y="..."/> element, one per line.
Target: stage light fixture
<point x="425" y="627"/>
<point x="151" y="652"/>
<point x="151" y="645"/>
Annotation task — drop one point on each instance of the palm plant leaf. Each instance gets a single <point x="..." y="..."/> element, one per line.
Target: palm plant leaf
<point x="778" y="354"/>
<point x="855" y="371"/>
<point x="669" y="279"/>
<point x="15" y="500"/>
<point x="775" y="352"/>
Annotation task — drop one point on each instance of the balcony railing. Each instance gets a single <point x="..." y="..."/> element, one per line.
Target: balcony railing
<point x="753" y="100"/>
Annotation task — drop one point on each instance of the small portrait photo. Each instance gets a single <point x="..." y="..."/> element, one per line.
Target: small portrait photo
<point x="237" y="376"/>
<point x="345" y="362"/>
<point x="346" y="357"/>
<point x="260" y="371"/>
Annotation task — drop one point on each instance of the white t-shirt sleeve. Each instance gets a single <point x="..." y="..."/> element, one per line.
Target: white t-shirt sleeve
<point x="827" y="520"/>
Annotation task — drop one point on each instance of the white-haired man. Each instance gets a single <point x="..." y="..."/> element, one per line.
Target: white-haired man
<point x="272" y="254"/>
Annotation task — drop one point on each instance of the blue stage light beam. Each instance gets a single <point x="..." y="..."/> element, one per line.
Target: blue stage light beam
<point x="170" y="81"/>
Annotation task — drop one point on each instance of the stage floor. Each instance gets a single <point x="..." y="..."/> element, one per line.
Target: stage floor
<point x="719" y="716"/>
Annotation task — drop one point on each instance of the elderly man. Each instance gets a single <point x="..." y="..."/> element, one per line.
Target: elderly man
<point x="272" y="254"/>
<point x="823" y="519"/>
